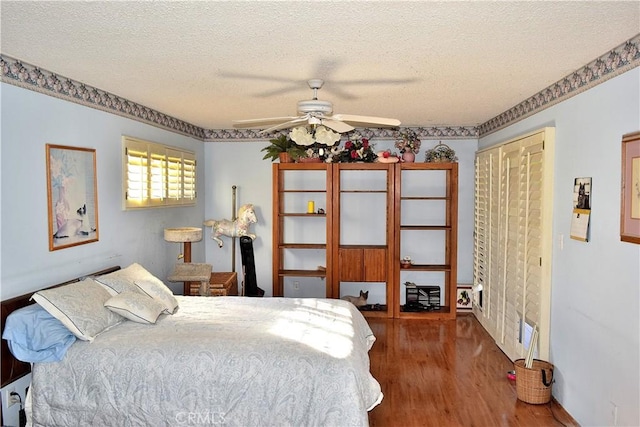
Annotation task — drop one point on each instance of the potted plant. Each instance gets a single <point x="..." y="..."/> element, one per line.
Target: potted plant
<point x="409" y="145"/>
<point x="282" y="148"/>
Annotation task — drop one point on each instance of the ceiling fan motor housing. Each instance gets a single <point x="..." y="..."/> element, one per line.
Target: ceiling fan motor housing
<point x="315" y="106"/>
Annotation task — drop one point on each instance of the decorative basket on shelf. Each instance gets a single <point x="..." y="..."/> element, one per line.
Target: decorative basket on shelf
<point x="441" y="153"/>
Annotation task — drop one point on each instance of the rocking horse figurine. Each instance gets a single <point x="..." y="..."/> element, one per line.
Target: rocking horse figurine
<point x="237" y="228"/>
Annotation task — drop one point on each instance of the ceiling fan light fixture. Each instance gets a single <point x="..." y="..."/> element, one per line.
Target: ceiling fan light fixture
<point x="321" y="135"/>
<point x="316" y="112"/>
<point x="301" y="136"/>
<point x="315" y="106"/>
<point x="326" y="136"/>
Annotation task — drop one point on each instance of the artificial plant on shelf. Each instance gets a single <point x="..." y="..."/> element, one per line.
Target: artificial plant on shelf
<point x="282" y="144"/>
<point x="356" y="149"/>
<point x="441" y="153"/>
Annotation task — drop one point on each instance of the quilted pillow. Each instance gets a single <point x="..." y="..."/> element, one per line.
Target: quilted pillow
<point x="159" y="292"/>
<point x="124" y="280"/>
<point x="135" y="306"/>
<point x="80" y="307"/>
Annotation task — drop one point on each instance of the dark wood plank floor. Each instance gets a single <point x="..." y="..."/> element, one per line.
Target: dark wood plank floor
<point x="448" y="373"/>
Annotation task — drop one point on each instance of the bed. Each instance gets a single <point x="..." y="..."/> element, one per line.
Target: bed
<point x="227" y="360"/>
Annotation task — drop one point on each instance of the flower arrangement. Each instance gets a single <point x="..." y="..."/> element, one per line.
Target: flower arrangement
<point x="441" y="153"/>
<point x="356" y="149"/>
<point x="408" y="142"/>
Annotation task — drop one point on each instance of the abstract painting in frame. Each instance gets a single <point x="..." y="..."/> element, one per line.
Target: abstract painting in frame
<point x="630" y="197"/>
<point x="72" y="196"/>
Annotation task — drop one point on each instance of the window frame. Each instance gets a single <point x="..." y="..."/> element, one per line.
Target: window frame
<point x="166" y="176"/>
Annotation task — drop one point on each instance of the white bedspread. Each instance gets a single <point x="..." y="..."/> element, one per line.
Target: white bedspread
<point x="217" y="361"/>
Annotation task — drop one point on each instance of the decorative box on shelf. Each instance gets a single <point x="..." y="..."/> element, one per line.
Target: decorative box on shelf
<point x="220" y="284"/>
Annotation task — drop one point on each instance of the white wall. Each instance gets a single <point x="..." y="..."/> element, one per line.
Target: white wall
<point x="240" y="163"/>
<point x="30" y="120"/>
<point x="595" y="312"/>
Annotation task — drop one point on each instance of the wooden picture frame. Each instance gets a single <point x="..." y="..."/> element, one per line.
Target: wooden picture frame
<point x="630" y="189"/>
<point x="72" y="196"/>
<point x="463" y="298"/>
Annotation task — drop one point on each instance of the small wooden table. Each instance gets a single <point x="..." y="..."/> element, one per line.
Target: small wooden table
<point x="220" y="284"/>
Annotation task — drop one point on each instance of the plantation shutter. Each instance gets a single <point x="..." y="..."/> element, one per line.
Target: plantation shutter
<point x="157" y="180"/>
<point x="136" y="163"/>
<point x="512" y="247"/>
<point x="155" y="175"/>
<point x="174" y="176"/>
<point x="189" y="177"/>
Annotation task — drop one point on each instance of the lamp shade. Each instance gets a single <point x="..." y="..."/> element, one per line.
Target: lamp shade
<point x="183" y="234"/>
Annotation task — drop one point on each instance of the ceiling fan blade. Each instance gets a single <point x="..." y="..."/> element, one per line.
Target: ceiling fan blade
<point x="256" y="123"/>
<point x="336" y="125"/>
<point x="366" y="120"/>
<point x="286" y="125"/>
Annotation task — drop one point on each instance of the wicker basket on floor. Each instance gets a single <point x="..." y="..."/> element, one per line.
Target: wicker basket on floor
<point x="533" y="385"/>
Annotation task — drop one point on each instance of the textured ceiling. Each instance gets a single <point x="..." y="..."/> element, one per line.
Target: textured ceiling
<point x="425" y="63"/>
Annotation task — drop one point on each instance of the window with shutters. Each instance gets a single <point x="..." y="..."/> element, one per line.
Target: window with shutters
<point x="155" y="175"/>
<point x="512" y="248"/>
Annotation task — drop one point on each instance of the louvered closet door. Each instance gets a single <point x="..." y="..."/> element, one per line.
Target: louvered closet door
<point x="485" y="235"/>
<point x="509" y="262"/>
<point x="533" y="285"/>
<point x="495" y="272"/>
<point x="513" y="245"/>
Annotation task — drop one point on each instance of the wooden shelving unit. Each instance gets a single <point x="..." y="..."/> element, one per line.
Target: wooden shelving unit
<point x="364" y="253"/>
<point x="420" y="190"/>
<point x="294" y="184"/>
<point x="370" y="256"/>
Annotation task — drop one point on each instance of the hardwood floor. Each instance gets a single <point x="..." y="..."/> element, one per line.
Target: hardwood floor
<point x="448" y="373"/>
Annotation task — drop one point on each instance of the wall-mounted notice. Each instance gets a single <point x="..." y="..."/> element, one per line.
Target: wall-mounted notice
<point x="581" y="209"/>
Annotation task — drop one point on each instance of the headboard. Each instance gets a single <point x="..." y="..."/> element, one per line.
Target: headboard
<point x="12" y="368"/>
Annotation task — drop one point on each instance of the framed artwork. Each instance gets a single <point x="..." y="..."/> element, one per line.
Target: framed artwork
<point x="463" y="298"/>
<point x="72" y="196"/>
<point x="630" y="194"/>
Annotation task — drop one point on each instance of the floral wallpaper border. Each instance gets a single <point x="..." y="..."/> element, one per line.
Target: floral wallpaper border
<point x="435" y="132"/>
<point x="613" y="63"/>
<point x="32" y="77"/>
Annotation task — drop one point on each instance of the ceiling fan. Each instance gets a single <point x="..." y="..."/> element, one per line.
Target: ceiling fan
<point x="317" y="112"/>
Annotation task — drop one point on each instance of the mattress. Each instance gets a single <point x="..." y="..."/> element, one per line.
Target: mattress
<point x="217" y="361"/>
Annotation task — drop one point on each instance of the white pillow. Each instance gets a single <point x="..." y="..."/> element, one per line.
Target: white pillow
<point x="80" y="307"/>
<point x="135" y="306"/>
<point x="159" y="292"/>
<point x="124" y="280"/>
